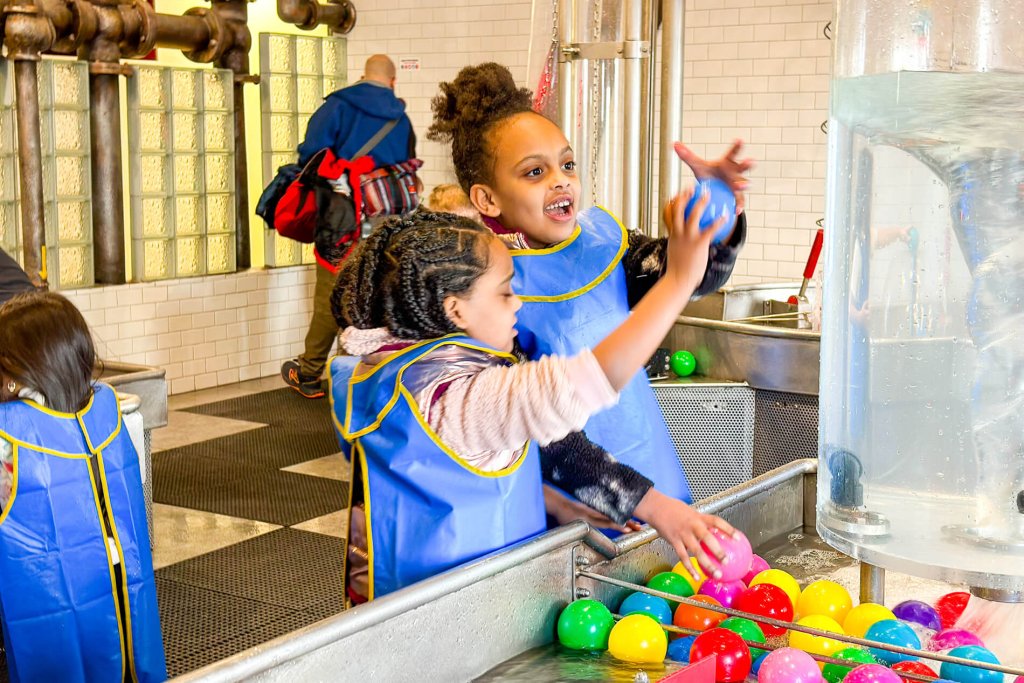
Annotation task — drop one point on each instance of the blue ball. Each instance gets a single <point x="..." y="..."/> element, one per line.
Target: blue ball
<point x="679" y="650"/>
<point x="969" y="674"/>
<point x="893" y="632"/>
<point x="642" y="603"/>
<point x="721" y="205"/>
<point x="756" y="666"/>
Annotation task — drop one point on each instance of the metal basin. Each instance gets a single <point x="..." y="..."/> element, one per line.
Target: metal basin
<point x="764" y="356"/>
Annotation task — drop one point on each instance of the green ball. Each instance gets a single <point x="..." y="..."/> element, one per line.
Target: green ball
<point x="585" y="625"/>
<point x="670" y="582"/>
<point x="747" y="630"/>
<point x="834" y="673"/>
<point x="683" y="363"/>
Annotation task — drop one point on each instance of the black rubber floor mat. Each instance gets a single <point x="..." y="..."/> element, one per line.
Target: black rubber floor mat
<point x="202" y="626"/>
<point x="237" y="489"/>
<point x="281" y="407"/>
<point x="274" y="447"/>
<point x="292" y="569"/>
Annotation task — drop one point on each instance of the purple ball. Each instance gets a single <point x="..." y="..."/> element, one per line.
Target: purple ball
<point x="725" y="592"/>
<point x="919" y="613"/>
<point x="952" y="638"/>
<point x="872" y="673"/>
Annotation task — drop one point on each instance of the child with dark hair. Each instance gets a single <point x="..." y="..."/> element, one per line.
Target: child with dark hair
<point x="577" y="273"/>
<point x="441" y="418"/>
<point x="77" y="595"/>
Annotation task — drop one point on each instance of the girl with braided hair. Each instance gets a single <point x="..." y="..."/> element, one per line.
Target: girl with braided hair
<point x="577" y="273"/>
<point x="440" y="417"/>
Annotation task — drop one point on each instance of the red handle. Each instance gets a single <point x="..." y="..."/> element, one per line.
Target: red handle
<point x="812" y="260"/>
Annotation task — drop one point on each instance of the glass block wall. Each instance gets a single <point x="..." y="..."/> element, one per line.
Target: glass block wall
<point x="67" y="184"/>
<point x="182" y="156"/>
<point x="296" y="73"/>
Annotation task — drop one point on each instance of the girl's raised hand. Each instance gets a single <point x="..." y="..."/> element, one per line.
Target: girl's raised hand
<point x="687" y="256"/>
<point x="728" y="168"/>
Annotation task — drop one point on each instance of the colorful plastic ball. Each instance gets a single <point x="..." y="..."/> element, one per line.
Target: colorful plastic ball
<point x="725" y="592"/>
<point x="962" y="673"/>
<point x="685" y="573"/>
<point x="672" y="583"/>
<point x="913" y="668"/>
<point x="748" y="631"/>
<point x="952" y="638"/>
<point x="766" y="600"/>
<point x="653" y="606"/>
<point x="732" y="656"/>
<point x="783" y="580"/>
<point x="722" y="204"/>
<point x="950" y="606"/>
<point x="638" y="639"/>
<point x="683" y="363"/>
<point x="679" y="649"/>
<point x="698" y="618"/>
<point x="738" y="554"/>
<point x="893" y="632"/>
<point x="919" y="613"/>
<point x="755" y="668"/>
<point x="826" y="598"/>
<point x="871" y="673"/>
<point x="864" y="616"/>
<point x="585" y="625"/>
<point x="787" y="665"/>
<point x="817" y="645"/>
<point x="834" y="673"/>
<point x="757" y="565"/>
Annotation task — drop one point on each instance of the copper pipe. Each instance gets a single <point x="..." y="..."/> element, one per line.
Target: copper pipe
<point x="338" y="15"/>
<point x="184" y="33"/>
<point x="30" y="167"/>
<point x="107" y="178"/>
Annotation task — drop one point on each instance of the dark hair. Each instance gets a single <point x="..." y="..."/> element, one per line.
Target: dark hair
<point x="399" y="276"/>
<point x="466" y="112"/>
<point x="45" y="345"/>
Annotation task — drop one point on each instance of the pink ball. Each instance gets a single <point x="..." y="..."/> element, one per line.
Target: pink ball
<point x="725" y="592"/>
<point x="951" y="638"/>
<point x="787" y="665"/>
<point x="736" y="563"/>
<point x="872" y="673"/>
<point x="757" y="565"/>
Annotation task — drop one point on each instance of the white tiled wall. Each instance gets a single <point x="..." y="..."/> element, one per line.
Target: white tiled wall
<point x="755" y="69"/>
<point x="204" y="331"/>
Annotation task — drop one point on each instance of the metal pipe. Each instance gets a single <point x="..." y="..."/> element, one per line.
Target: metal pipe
<point x="790" y="626"/>
<point x="107" y="178"/>
<point x="649" y="34"/>
<point x="673" y="24"/>
<point x="243" y="256"/>
<point x="186" y="33"/>
<point x="872" y="583"/>
<point x="340" y="16"/>
<point x="566" y="91"/>
<point x="30" y="167"/>
<point x="632" y="76"/>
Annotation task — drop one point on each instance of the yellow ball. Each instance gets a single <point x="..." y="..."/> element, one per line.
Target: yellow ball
<point x="777" y="577"/>
<point x="682" y="571"/>
<point x="639" y="639"/>
<point x="827" y="598"/>
<point x="864" y="616"/>
<point x="817" y="645"/>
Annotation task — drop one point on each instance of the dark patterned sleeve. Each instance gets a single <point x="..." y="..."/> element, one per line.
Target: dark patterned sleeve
<point x="590" y="474"/>
<point x="644" y="262"/>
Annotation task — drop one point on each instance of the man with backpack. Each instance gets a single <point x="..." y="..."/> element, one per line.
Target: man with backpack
<point x="359" y="162"/>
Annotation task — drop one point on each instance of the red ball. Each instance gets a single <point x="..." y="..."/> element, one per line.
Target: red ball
<point x="766" y="600"/>
<point x="950" y="606"/>
<point x="914" y="667"/>
<point x="733" y="656"/>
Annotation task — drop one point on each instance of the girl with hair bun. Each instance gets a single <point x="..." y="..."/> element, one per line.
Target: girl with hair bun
<point x="442" y="421"/>
<point x="578" y="273"/>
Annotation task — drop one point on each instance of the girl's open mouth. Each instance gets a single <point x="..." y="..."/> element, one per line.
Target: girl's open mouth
<point x="560" y="210"/>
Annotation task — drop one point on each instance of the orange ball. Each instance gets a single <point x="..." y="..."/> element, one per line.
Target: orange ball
<point x="698" y="618"/>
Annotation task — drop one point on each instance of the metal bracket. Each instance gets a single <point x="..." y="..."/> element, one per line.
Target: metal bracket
<point x="628" y="49"/>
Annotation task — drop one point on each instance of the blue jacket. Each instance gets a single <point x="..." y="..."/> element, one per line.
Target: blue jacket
<point x="349" y="117"/>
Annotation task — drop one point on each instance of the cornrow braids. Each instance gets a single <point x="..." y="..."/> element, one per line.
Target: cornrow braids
<point x="467" y="110"/>
<point x="400" y="275"/>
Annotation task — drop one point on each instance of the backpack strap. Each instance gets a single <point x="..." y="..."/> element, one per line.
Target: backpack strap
<point x="375" y="140"/>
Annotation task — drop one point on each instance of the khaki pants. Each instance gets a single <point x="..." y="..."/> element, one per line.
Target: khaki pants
<point x="323" y="330"/>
